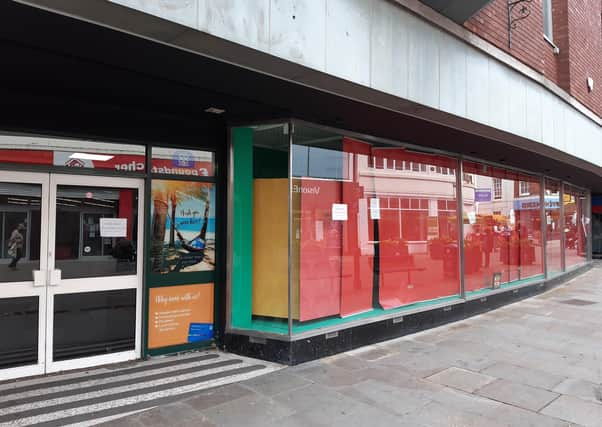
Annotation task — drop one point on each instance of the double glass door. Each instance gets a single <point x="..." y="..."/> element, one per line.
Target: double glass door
<point x="70" y="271"/>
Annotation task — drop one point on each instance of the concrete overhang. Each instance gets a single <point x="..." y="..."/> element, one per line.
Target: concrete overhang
<point x="458" y="11"/>
<point x="122" y="69"/>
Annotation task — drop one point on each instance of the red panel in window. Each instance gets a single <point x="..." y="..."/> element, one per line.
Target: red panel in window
<point x="357" y="261"/>
<point x="320" y="250"/>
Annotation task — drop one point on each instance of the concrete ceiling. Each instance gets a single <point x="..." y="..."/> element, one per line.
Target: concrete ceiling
<point x="458" y="11"/>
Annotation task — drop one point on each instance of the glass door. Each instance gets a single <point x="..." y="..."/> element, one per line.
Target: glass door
<point x="23" y="268"/>
<point x="95" y="283"/>
<point x="70" y="273"/>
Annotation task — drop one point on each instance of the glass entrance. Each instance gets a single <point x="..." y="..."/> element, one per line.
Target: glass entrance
<point x="70" y="285"/>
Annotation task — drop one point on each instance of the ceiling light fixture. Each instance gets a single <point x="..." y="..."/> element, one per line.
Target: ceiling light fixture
<point x="215" y="110"/>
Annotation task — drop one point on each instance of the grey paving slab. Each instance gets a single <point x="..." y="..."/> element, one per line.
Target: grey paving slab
<point x="461" y="379"/>
<point x="316" y="402"/>
<point x="582" y="389"/>
<point x="271" y="385"/>
<point x="326" y="374"/>
<point x="376" y="352"/>
<point x="395" y="400"/>
<point x="436" y="414"/>
<point x="528" y="376"/>
<point x="217" y="396"/>
<point x="575" y="410"/>
<point x="513" y="416"/>
<point x="252" y="410"/>
<point x="466" y="401"/>
<point x="521" y="395"/>
<point x="346" y="361"/>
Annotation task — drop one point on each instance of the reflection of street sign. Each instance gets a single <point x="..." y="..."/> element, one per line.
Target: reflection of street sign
<point x="183" y="159"/>
<point x="75" y="163"/>
<point x="482" y="195"/>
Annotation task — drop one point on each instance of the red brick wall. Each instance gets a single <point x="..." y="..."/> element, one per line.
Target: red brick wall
<point x="577" y="33"/>
<point x="585" y="51"/>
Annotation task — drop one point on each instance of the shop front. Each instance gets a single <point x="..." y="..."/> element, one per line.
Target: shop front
<point x="340" y="239"/>
<point x="108" y="252"/>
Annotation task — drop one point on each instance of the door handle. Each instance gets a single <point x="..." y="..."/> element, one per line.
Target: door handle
<point x="39" y="278"/>
<point x="55" y="277"/>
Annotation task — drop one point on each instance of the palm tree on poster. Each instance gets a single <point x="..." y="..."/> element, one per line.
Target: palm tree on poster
<point x="174" y="193"/>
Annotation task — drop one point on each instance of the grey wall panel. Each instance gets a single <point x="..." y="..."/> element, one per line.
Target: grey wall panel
<point x="477" y="87"/>
<point x="298" y="31"/>
<point x="423" y="62"/>
<point x="499" y="96"/>
<point x="183" y="12"/>
<point x="241" y="21"/>
<point x="547" y="118"/>
<point x="382" y="43"/>
<point x="517" y="113"/>
<point x="533" y="112"/>
<point x="348" y="39"/>
<point x="379" y="44"/>
<point x="453" y="79"/>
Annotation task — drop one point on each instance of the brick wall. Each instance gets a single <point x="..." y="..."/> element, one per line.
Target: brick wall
<point x="577" y="33"/>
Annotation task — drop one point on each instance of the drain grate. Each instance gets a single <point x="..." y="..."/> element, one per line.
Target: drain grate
<point x="577" y="301"/>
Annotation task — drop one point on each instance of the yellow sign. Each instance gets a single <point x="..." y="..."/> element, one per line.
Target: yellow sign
<point x="180" y="315"/>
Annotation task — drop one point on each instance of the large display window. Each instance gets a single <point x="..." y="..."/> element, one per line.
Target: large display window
<point x="502" y="227"/>
<point x="553" y="227"/>
<point x="576" y="223"/>
<point x="356" y="229"/>
<point x="329" y="228"/>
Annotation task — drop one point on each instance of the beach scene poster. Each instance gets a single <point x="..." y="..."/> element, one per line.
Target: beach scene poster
<point x="182" y="226"/>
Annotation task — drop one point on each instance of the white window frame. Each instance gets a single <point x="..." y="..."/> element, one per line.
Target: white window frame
<point x="522" y="185"/>
<point x="497" y="189"/>
<point x="548" y="23"/>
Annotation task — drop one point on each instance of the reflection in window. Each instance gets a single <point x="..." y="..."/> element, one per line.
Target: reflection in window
<point x="20" y="231"/>
<point x="502" y="235"/>
<point x="576" y="221"/>
<point x="553" y="227"/>
<point x="182" y="161"/>
<point x="72" y="153"/>
<point x="96" y="231"/>
<point x="396" y="242"/>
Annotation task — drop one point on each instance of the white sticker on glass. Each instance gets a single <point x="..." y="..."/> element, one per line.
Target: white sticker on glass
<point x="113" y="227"/>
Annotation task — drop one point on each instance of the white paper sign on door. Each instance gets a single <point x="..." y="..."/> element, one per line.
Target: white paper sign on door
<point x="374" y="208"/>
<point x="339" y="212"/>
<point x="113" y="227"/>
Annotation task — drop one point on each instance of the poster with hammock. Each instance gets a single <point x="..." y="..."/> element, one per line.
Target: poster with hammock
<point x="182" y="226"/>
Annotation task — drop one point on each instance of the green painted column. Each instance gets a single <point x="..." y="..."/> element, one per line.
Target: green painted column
<point x="242" y="228"/>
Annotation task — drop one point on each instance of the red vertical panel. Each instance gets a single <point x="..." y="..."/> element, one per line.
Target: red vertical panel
<point x="357" y="262"/>
<point x="126" y="209"/>
<point x="320" y="250"/>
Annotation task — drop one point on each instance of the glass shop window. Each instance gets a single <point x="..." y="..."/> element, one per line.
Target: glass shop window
<point x="502" y="235"/>
<point x="363" y="241"/>
<point x="576" y="224"/>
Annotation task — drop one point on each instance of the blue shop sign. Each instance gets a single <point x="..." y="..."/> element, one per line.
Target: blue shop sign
<point x="531" y="203"/>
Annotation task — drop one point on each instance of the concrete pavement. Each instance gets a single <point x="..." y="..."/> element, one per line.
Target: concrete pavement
<point x="534" y="363"/>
